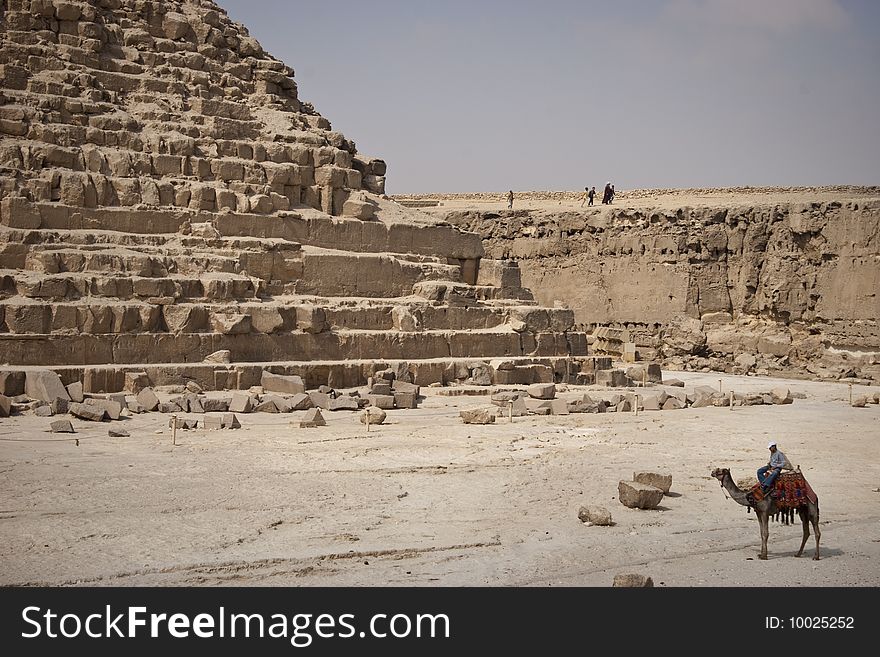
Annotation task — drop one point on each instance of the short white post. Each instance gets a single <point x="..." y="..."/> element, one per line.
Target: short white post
<point x="174" y="430"/>
<point x="510" y="410"/>
<point x="731" y="400"/>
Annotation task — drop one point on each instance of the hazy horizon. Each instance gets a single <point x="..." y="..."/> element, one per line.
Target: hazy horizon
<point x="488" y="96"/>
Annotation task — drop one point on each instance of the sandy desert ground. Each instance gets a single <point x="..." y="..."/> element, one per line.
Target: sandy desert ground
<point x="426" y="500"/>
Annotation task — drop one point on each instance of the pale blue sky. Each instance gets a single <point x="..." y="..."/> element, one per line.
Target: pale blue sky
<point x="477" y="95"/>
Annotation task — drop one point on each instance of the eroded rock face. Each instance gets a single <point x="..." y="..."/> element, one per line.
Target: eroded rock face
<point x="783" y="284"/>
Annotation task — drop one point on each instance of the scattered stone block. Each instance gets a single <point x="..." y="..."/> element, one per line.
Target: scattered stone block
<point x="344" y="403"/>
<point x="44" y="385"/>
<point x="5" y="406"/>
<point x="265" y="407"/>
<point x="638" y="496"/>
<point x="118" y="433"/>
<point x="289" y="385"/>
<point x="190" y="424"/>
<point x="504" y="397"/>
<point x="385" y="402"/>
<point x="43" y="411"/>
<point x="12" y="382"/>
<point x="477" y="416"/>
<point x="61" y="426"/>
<point x="59" y="406"/>
<point x="134" y="406"/>
<point x="663" y="482"/>
<point x="281" y="403"/>
<point x="312" y="418"/>
<point x="612" y="378"/>
<point x="212" y="422"/>
<point x="241" y="402"/>
<point x="406" y="400"/>
<point x="383" y="389"/>
<point x="75" y="391"/>
<point x="215" y="405"/>
<point x="538" y="406"/>
<point x="859" y="402"/>
<point x="230" y="421"/>
<point x="675" y="383"/>
<point x="86" y="411"/>
<point x="542" y="391"/>
<point x="111" y="407"/>
<point x="559" y="407"/>
<point x="632" y="580"/>
<point x="168" y="407"/>
<point x="194" y="387"/>
<point x="376" y="415"/>
<point x="136" y="381"/>
<point x="399" y="386"/>
<point x="595" y="515"/>
<point x="672" y="404"/>
<point x="651" y="402"/>
<point x="781" y="395"/>
<point x="300" y="402"/>
<point x="148" y="399"/>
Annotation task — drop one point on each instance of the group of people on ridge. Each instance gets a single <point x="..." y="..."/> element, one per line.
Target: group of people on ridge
<point x="590" y="194"/>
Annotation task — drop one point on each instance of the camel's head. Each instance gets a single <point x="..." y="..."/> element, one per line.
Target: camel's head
<point x="720" y="473"/>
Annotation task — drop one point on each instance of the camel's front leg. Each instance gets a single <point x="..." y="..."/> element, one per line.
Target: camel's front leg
<point x="764" y="520"/>
<point x="818" y="534"/>
<point x="805" y="519"/>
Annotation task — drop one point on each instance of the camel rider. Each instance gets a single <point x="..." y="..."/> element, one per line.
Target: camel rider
<point x="778" y="462"/>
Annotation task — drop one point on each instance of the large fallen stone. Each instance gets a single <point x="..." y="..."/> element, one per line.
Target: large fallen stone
<point x="61" y="426"/>
<point x="194" y="387"/>
<point x="595" y="515"/>
<point x="406" y="400"/>
<point x="266" y="407"/>
<point x="75" y="390"/>
<point x="111" y="407"/>
<point x="215" y="405"/>
<point x="663" y="482"/>
<point x="677" y="383"/>
<point x="43" y="411"/>
<point x="638" y="496"/>
<point x="504" y="397"/>
<point x="230" y="421"/>
<point x="383" y="388"/>
<point x="289" y="385"/>
<point x="672" y="404"/>
<point x="612" y="378"/>
<point x="281" y="403"/>
<point x="538" y="406"/>
<point x="343" y="403"/>
<point x="404" y="387"/>
<point x="781" y="395"/>
<point x="5" y="406"/>
<point x="148" y="399"/>
<point x="542" y="391"/>
<point x="320" y="399"/>
<point x="559" y="407"/>
<point x="136" y="381"/>
<point x="312" y="418"/>
<point x="633" y="580"/>
<point x="860" y="401"/>
<point x="118" y="433"/>
<point x="134" y="406"/>
<point x="376" y="415"/>
<point x="44" y="385"/>
<point x="232" y="323"/>
<point x="381" y="401"/>
<point x="86" y="411"/>
<point x="476" y="416"/>
<point x="212" y="422"/>
<point x="241" y="402"/>
<point x="300" y="402"/>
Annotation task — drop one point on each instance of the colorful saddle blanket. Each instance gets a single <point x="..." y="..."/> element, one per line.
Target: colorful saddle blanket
<point x="790" y="490"/>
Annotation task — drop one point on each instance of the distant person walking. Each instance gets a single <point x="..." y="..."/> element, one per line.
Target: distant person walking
<point x="611" y="198"/>
<point x="586" y="196"/>
<point x="606" y="195"/>
<point x="510" y="200"/>
<point x="592" y="195"/>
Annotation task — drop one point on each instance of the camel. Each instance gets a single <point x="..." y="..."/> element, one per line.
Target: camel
<point x="808" y="512"/>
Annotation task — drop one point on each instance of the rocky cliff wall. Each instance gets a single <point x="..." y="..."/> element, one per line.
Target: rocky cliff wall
<point x="791" y="286"/>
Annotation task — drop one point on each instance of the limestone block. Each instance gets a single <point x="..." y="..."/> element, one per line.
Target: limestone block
<point x="477" y="416"/>
<point x="135" y="407"/>
<point x="5" y="406"/>
<point x="633" y="580"/>
<point x="312" y="418"/>
<point x="215" y="405"/>
<point x="28" y="318"/>
<point x="12" y="383"/>
<point x="400" y="386"/>
<point x="300" y="402"/>
<point x="241" y="402"/>
<point x="44" y="385"/>
<point x="480" y="374"/>
<point x="86" y="411"/>
<point x="595" y="515"/>
<point x="320" y="399"/>
<point x="403" y="319"/>
<point x="661" y="481"/>
<point x="638" y="496"/>
<point x="136" y="381"/>
<point x="406" y="400"/>
<point x="230" y="421"/>
<point x="559" y="407"/>
<point x="266" y="407"/>
<point x="118" y="433"/>
<point x="503" y="398"/>
<point x="75" y="391"/>
<point x="781" y="395"/>
<point x="343" y="403"/>
<point x="538" y="406"/>
<point x="266" y="320"/>
<point x="61" y="426"/>
<point x="674" y="382"/>
<point x="18" y="212"/>
<point x="290" y="385"/>
<point x="168" y="407"/>
<point x="542" y="391"/>
<point x="383" y="388"/>
<point x="612" y="378"/>
<point x="212" y="422"/>
<point x="311" y="319"/>
<point x="111" y="407"/>
<point x="860" y="401"/>
<point x="381" y="401"/>
<point x="59" y="406"/>
<point x="358" y="209"/>
<point x="231" y="323"/>
<point x="672" y="404"/>
<point x="185" y="318"/>
<point x="223" y="356"/>
<point x="375" y="413"/>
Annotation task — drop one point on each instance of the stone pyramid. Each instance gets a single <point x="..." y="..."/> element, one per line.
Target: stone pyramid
<point x="166" y="195"/>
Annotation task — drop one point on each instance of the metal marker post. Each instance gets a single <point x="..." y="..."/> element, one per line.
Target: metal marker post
<point x="719" y="385"/>
<point x="510" y="410"/>
<point x="850" y="394"/>
<point x="174" y="430"/>
<point x="731" y="400"/>
<point x="367" y="413"/>
<point x="636" y="409"/>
